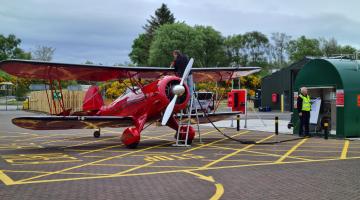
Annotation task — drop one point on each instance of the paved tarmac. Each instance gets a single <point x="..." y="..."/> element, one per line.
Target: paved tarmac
<point x="74" y="165"/>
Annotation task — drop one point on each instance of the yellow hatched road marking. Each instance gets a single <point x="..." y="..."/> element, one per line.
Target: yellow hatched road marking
<point x="174" y="171"/>
<point x="94" y="162"/>
<point x="135" y="168"/>
<point x="234" y="153"/>
<point x="291" y="150"/>
<point x="211" y="143"/>
<point x="345" y="149"/>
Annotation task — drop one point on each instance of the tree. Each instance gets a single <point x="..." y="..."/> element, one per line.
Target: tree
<point x="162" y="16"/>
<point x="235" y="50"/>
<point x="347" y="49"/>
<point x="302" y="47"/>
<point x="43" y="53"/>
<point x="141" y="45"/>
<point x="212" y="52"/>
<point x="9" y="48"/>
<point x="257" y="46"/>
<point x="280" y="41"/>
<point x="175" y="36"/>
<point x="140" y="49"/>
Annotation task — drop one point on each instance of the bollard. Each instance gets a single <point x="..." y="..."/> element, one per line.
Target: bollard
<point x="238" y="122"/>
<point x="326" y="134"/>
<point x="276" y="125"/>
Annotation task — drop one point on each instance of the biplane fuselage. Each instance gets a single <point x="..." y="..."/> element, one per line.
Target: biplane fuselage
<point x="146" y="104"/>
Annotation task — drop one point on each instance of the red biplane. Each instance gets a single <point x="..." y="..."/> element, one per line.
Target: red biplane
<point x="165" y="95"/>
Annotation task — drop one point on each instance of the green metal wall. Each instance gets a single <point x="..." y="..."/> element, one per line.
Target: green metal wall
<point x="342" y="74"/>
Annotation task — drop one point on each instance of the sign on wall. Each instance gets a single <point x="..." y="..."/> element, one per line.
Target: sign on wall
<point x="339" y="98"/>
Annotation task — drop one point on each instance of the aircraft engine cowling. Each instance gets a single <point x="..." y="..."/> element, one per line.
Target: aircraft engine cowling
<point x="166" y="89"/>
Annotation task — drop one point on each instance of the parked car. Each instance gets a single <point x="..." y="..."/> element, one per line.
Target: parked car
<point x="206" y="100"/>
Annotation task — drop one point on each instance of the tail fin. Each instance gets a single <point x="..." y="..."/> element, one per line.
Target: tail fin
<point x="93" y="100"/>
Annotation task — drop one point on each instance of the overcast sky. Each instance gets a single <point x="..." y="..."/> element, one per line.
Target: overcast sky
<point x="102" y="31"/>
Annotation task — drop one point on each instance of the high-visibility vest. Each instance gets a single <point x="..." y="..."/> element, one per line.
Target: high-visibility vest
<point x="306" y="105"/>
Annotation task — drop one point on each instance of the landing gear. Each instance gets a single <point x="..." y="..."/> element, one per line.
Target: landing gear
<point x="97" y="134"/>
<point x="131" y="138"/>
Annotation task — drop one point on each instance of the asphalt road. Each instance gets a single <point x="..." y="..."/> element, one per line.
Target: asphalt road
<point x="74" y="165"/>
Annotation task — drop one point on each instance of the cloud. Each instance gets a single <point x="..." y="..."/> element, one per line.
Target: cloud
<point x="103" y="31"/>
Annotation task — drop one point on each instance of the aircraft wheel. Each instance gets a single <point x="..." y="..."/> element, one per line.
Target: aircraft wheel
<point x="96" y="134"/>
<point x="133" y="145"/>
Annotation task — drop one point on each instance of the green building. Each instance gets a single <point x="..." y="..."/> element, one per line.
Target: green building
<point x="337" y="83"/>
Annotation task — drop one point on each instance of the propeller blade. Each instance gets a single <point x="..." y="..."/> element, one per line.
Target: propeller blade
<point x="168" y="111"/>
<point x="187" y="71"/>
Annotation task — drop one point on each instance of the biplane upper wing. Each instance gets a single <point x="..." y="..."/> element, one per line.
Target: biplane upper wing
<point x="62" y="71"/>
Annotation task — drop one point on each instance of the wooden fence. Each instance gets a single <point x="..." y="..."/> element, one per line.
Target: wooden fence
<point x="72" y="99"/>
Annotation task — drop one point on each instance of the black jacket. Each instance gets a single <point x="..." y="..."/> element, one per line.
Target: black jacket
<point x="180" y="64"/>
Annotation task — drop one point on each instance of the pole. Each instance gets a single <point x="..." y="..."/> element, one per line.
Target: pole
<point x="282" y="103"/>
<point x="326" y="126"/>
<point x="6" y="94"/>
<point x="238" y="122"/>
<point x="276" y="125"/>
<point x="246" y="111"/>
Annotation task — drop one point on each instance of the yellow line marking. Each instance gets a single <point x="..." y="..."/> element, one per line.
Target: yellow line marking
<point x="273" y="163"/>
<point x="45" y="172"/>
<point x="200" y="176"/>
<point x="241" y="160"/>
<point x="154" y="166"/>
<point x="277" y="155"/>
<point x="173" y="171"/>
<point x="234" y="153"/>
<point x="257" y="152"/>
<point x="101" y="149"/>
<point x="5" y="179"/>
<point x="62" y="140"/>
<point x="219" y="192"/>
<point x="94" y="162"/>
<point x="291" y="150"/>
<point x="94" y="141"/>
<point x="345" y="149"/>
<point x="37" y="137"/>
<point x="135" y="168"/>
<point x="214" y="142"/>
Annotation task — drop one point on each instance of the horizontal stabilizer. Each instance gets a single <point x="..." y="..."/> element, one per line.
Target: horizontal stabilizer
<point x="71" y="122"/>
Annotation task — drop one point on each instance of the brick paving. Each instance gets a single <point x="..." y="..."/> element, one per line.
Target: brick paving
<point x="74" y="165"/>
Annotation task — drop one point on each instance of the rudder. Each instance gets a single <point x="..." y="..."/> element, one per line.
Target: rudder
<point x="93" y="99"/>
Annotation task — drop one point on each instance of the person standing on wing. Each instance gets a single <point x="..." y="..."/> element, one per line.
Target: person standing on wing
<point x="179" y="64"/>
<point x="304" y="108"/>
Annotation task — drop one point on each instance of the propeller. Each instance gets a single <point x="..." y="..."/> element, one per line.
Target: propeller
<point x="178" y="90"/>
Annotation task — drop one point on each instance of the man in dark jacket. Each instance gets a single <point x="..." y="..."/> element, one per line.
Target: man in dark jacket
<point x="179" y="64"/>
<point x="304" y="108"/>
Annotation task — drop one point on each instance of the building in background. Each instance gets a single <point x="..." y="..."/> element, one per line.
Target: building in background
<point x="281" y="83"/>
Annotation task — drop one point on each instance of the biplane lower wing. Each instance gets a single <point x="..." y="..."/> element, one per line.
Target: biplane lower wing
<point x="214" y="117"/>
<point x="71" y="122"/>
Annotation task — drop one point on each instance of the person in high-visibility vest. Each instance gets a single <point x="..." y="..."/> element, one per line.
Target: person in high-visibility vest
<point x="304" y="108"/>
